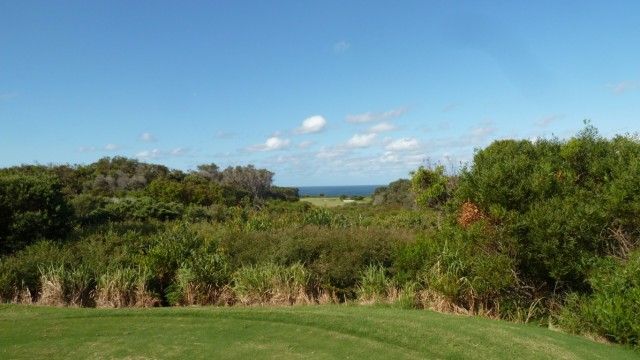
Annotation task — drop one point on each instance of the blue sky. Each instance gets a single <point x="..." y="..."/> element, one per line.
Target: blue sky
<point x="319" y="92"/>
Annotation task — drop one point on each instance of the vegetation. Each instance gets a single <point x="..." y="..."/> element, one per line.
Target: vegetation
<point x="31" y="208"/>
<point x="542" y="232"/>
<point x="273" y="333"/>
<point x="330" y="202"/>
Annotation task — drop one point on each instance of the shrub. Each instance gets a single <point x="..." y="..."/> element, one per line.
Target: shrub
<point x="558" y="199"/>
<point x="271" y="284"/>
<point x="471" y="268"/>
<point x="325" y="217"/>
<point x="431" y="186"/>
<point x="396" y="194"/>
<point x="181" y="249"/>
<point x="89" y="209"/>
<point x="374" y="286"/>
<point x="20" y="272"/>
<point x="124" y="287"/>
<point x="201" y="280"/>
<point x="612" y="309"/>
<point x="142" y="209"/>
<point x="334" y="257"/>
<point x="62" y="286"/>
<point x="31" y="208"/>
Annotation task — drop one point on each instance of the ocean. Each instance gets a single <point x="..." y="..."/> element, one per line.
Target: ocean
<point x="349" y="190"/>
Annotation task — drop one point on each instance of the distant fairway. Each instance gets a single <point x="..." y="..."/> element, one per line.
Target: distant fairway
<point x="332" y="201"/>
<point x="312" y="332"/>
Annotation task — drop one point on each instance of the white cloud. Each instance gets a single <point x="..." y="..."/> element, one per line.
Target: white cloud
<point x="178" y="151"/>
<point x="377" y="116"/>
<point x="624" y="86"/>
<point x="312" y="125"/>
<point x="157" y="153"/>
<point x="342" y="46"/>
<point x="147" y="137"/>
<point x="382" y="127"/>
<point x="361" y="141"/>
<point x="149" y="154"/>
<point x="272" y="143"/>
<point x="403" y="144"/>
<point x="276" y="143"/>
<point x="111" y="147"/>
<point x="389" y="157"/>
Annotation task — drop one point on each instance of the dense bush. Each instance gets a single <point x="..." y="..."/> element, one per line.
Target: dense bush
<point x="334" y="257"/>
<point x="21" y="271"/>
<point x="612" y="309"/>
<point x="31" y="208"/>
<point x="561" y="200"/>
<point x="396" y="194"/>
<point x="472" y="268"/>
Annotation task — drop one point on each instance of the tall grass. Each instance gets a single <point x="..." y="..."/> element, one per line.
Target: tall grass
<point x="188" y="288"/>
<point x="52" y="290"/>
<point x="124" y="287"/>
<point x="61" y="286"/>
<point x="272" y="284"/>
<point x="374" y="285"/>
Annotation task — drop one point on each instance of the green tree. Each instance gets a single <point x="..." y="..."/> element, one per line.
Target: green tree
<point x="431" y="186"/>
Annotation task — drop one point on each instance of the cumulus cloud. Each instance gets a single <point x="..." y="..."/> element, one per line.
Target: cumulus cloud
<point x="276" y="143"/>
<point x="382" y="127"/>
<point x="147" y="137"/>
<point x="149" y="154"/>
<point x="272" y="143"/>
<point x="312" y="125"/>
<point x="389" y="157"/>
<point x="361" y="141"/>
<point x="377" y="116"/>
<point x="157" y="153"/>
<point x="342" y="46"/>
<point x="624" y="86"/>
<point x="403" y="144"/>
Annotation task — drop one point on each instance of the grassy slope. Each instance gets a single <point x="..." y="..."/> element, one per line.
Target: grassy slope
<point x="316" y="332"/>
<point x="331" y="201"/>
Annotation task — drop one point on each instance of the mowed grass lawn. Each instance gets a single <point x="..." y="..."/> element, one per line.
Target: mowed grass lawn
<point x="332" y="201"/>
<point x="309" y="332"/>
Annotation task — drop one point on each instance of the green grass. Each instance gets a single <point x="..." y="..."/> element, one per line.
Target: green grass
<point x="310" y="332"/>
<point x="332" y="201"/>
